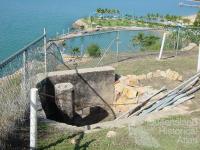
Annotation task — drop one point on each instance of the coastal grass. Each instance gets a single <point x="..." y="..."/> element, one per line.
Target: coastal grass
<point x="143" y="62"/>
<point x="163" y="134"/>
<point x="119" y="22"/>
<point x="185" y="65"/>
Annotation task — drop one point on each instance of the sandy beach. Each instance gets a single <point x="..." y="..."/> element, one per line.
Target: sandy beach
<point x="191" y="18"/>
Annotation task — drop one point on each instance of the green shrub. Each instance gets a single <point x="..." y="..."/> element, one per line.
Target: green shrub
<point x="75" y="51"/>
<point x="146" y="42"/>
<point x="94" y="50"/>
<point x="197" y="20"/>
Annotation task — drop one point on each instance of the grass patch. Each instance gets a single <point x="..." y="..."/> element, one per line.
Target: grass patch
<point x="165" y="134"/>
<point x="120" y="22"/>
<point x="177" y="132"/>
<point x="182" y="64"/>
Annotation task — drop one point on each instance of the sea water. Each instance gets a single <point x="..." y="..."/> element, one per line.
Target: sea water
<point x="21" y="21"/>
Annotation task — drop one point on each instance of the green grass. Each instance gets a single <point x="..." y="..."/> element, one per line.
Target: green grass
<point x="143" y="63"/>
<point x="121" y="22"/>
<point x="183" y="65"/>
<point x="165" y="135"/>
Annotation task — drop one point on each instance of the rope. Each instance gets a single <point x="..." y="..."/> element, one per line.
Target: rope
<point x="80" y="76"/>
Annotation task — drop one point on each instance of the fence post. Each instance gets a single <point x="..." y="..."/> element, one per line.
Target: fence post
<point x="63" y="31"/>
<point x="45" y="51"/>
<point x="178" y="39"/>
<point x="198" y="62"/>
<point x="24" y="74"/>
<point x="162" y="46"/>
<point x="33" y="118"/>
<point x="117" y="44"/>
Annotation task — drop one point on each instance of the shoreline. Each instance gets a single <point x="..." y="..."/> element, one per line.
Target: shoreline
<point x="78" y="23"/>
<point x="81" y="23"/>
<point x="191" y="17"/>
<point x="89" y="31"/>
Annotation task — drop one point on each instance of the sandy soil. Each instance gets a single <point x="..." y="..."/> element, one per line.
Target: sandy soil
<point x="191" y="18"/>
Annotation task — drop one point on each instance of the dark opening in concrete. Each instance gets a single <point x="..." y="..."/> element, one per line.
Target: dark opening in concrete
<point x="78" y="97"/>
<point x="82" y="116"/>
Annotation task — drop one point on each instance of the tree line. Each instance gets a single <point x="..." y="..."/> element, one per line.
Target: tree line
<point x="107" y="11"/>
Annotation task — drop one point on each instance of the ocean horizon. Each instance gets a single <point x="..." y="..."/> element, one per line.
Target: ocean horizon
<point x="23" y="21"/>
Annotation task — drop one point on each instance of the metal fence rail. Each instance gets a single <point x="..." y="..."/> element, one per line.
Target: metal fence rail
<point x="17" y="77"/>
<point x="18" y="73"/>
<point x="119" y="45"/>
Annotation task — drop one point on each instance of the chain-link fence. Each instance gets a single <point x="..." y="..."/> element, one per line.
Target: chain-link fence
<point x="117" y="46"/>
<point x="18" y="73"/>
<point x="182" y="39"/>
<point x="17" y="77"/>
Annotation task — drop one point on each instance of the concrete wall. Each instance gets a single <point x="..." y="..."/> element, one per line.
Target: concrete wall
<point x="92" y="87"/>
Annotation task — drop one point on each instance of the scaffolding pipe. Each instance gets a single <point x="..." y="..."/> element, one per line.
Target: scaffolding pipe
<point x="198" y="65"/>
<point x="33" y="118"/>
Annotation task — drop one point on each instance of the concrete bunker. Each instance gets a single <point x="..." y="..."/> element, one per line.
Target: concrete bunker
<point x="78" y="97"/>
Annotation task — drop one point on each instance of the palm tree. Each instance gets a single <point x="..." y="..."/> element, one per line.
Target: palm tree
<point x="137" y="40"/>
<point x="197" y="20"/>
<point x="145" y="41"/>
<point x="106" y="11"/>
<point x="98" y="10"/>
<point x="117" y="11"/>
<point x="75" y="51"/>
<point x="148" y="16"/>
<point x="157" y="15"/>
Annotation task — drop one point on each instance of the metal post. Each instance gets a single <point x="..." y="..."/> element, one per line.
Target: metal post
<point x="105" y="52"/>
<point x="45" y="51"/>
<point x="24" y="74"/>
<point x="33" y="118"/>
<point x="81" y="50"/>
<point x="63" y="31"/>
<point x="178" y="39"/>
<point x="90" y="21"/>
<point x="198" y="65"/>
<point x="162" y="46"/>
<point x="68" y="30"/>
<point x="117" y="44"/>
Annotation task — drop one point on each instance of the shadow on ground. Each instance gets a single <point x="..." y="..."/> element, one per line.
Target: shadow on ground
<point x="78" y="138"/>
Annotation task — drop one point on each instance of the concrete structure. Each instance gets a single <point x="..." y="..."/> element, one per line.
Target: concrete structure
<point x="64" y="98"/>
<point x="91" y="86"/>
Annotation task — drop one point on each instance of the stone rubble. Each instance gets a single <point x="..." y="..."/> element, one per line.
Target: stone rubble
<point x="128" y="89"/>
<point x="189" y="47"/>
<point x="111" y="134"/>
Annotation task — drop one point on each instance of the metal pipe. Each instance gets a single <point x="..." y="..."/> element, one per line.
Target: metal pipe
<point x="45" y="52"/>
<point x="9" y="59"/>
<point x="162" y="46"/>
<point x="198" y="65"/>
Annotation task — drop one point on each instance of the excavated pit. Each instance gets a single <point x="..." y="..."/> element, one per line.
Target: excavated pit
<point x="78" y="98"/>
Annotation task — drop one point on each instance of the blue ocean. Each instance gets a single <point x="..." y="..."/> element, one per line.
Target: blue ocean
<point x="22" y="21"/>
